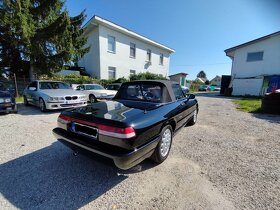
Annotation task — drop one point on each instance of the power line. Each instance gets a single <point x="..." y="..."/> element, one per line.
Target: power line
<point x="208" y="64"/>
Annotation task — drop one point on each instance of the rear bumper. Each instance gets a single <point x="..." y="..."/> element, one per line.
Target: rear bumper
<point x="124" y="159"/>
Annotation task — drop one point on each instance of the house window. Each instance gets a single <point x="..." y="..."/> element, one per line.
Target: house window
<point x="132" y="72"/>
<point x="111" y="44"/>
<point x="132" y="50"/>
<point x="255" y="56"/>
<point x="161" y="59"/>
<point x="112" y="72"/>
<point x="149" y="55"/>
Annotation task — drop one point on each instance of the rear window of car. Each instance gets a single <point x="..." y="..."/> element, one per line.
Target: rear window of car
<point x="113" y="87"/>
<point x="141" y="92"/>
<point x="94" y="87"/>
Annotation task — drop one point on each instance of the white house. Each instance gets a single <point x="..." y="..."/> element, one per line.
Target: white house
<point x="216" y="80"/>
<point x="255" y="65"/>
<point x="118" y="52"/>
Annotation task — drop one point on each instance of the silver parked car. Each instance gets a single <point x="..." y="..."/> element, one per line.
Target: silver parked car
<point x="95" y="91"/>
<point x="52" y="95"/>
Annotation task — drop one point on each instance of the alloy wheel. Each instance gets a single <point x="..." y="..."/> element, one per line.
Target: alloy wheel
<point x="165" y="142"/>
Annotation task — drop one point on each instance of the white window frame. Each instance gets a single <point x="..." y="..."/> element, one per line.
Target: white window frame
<point x="112" y="69"/>
<point x="161" y="59"/>
<point x="130" y="73"/>
<point x="132" y="46"/>
<point x="248" y="60"/>
<point x="149" y="55"/>
<point x="113" y="44"/>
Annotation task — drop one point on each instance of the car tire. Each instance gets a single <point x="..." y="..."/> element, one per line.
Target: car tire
<point x="25" y="102"/>
<point x="163" y="148"/>
<point x="92" y="98"/>
<point x="42" y="105"/>
<point x="194" y="118"/>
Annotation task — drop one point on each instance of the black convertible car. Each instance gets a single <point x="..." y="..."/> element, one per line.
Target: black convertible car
<point x="137" y="124"/>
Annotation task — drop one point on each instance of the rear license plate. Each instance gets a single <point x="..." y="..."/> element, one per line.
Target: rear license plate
<point x="84" y="130"/>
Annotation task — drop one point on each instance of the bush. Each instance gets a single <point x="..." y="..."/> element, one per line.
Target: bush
<point x="195" y="86"/>
<point x="75" y="79"/>
<point x="147" y="76"/>
<point x="71" y="79"/>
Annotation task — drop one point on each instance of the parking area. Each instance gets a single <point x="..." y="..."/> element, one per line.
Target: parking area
<point x="228" y="160"/>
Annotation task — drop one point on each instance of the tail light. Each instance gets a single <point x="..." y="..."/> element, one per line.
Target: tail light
<point x="122" y="133"/>
<point x="64" y="119"/>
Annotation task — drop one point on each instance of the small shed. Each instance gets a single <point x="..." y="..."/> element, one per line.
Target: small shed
<point x="180" y="78"/>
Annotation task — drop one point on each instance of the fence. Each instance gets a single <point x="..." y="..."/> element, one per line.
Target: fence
<point x="15" y="84"/>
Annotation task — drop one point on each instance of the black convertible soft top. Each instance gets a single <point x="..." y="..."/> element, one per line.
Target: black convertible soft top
<point x="166" y="85"/>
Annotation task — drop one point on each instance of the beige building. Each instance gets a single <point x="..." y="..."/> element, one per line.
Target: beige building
<point x="180" y="78"/>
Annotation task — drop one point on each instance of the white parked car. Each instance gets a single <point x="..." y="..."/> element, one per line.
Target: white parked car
<point x="95" y="91"/>
<point x="52" y="95"/>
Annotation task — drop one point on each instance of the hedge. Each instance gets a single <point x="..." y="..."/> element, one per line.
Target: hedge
<point x="75" y="79"/>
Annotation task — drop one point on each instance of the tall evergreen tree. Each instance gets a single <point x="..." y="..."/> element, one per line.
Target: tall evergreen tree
<point x="40" y="32"/>
<point x="201" y="74"/>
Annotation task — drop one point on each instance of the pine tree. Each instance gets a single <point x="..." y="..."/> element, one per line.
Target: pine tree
<point x="41" y="33"/>
<point x="78" y="39"/>
<point x="202" y="74"/>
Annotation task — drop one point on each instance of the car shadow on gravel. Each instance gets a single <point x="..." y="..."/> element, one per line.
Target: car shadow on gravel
<point x="268" y="117"/>
<point x="214" y="95"/>
<point x="52" y="178"/>
<point x="33" y="110"/>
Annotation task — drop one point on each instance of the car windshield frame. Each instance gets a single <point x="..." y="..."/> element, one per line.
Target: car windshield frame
<point x="94" y="85"/>
<point x="49" y="85"/>
<point x="142" y="92"/>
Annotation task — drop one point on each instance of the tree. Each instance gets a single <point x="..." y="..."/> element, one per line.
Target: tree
<point x="201" y="74"/>
<point x="41" y="33"/>
<point x="207" y="82"/>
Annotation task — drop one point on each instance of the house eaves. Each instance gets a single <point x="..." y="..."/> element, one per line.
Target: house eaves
<point x="182" y="73"/>
<point x="230" y="50"/>
<point x="96" y="20"/>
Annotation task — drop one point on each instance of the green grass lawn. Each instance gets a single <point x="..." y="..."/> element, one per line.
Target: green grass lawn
<point x="252" y="105"/>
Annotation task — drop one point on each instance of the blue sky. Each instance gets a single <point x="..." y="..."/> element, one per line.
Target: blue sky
<point x="199" y="30"/>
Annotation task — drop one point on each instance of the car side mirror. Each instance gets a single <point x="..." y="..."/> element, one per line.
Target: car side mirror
<point x="191" y="96"/>
<point x="32" y="88"/>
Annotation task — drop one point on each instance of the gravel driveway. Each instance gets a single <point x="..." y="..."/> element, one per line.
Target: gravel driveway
<point x="228" y="160"/>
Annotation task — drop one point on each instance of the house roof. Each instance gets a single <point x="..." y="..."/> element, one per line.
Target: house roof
<point x="201" y="79"/>
<point x="181" y="73"/>
<point x="217" y="76"/>
<point x="95" y="20"/>
<point x="251" y="42"/>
